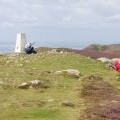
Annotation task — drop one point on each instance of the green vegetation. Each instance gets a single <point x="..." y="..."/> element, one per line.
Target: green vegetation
<point x="42" y="103"/>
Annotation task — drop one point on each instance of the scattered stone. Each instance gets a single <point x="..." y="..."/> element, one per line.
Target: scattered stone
<point x="24" y="85"/>
<point x="58" y="72"/>
<point x="68" y="103"/>
<point x="117" y="78"/>
<point x="51" y="100"/>
<point x="56" y="50"/>
<point x="104" y="59"/>
<point x="37" y="84"/>
<point x="34" y="68"/>
<point x="110" y="66"/>
<point x="115" y="59"/>
<point x="71" y="72"/>
<point x="33" y="84"/>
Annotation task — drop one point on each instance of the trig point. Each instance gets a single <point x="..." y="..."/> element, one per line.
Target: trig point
<point x="20" y="43"/>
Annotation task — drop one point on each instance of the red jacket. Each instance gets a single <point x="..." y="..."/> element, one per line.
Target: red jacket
<point x="116" y="65"/>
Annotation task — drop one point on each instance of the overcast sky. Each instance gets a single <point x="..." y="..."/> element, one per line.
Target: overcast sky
<point x="61" y="23"/>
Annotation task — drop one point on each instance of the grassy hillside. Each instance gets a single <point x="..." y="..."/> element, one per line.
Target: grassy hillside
<point x="45" y="103"/>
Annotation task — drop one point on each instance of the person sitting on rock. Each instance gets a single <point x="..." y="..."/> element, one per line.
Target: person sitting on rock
<point x="29" y="48"/>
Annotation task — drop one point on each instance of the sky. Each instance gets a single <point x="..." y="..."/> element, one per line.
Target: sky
<point x="60" y="23"/>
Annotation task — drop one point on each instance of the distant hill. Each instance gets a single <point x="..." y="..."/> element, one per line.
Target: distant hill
<point x="104" y="48"/>
<point x="38" y="87"/>
<point x="94" y="50"/>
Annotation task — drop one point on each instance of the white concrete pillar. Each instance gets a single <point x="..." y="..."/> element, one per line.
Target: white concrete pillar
<point x="20" y="43"/>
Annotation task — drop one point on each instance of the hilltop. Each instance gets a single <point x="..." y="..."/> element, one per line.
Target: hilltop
<point x="65" y="97"/>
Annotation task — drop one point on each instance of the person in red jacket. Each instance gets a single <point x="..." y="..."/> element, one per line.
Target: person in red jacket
<point x="116" y="65"/>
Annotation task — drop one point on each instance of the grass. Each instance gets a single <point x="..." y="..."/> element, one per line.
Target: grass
<point x="30" y="114"/>
<point x="45" y="104"/>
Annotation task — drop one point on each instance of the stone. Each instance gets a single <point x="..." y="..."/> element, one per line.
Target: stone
<point x="117" y="78"/>
<point x="110" y="66"/>
<point x="36" y="83"/>
<point x="104" y="59"/>
<point x="51" y="100"/>
<point x="68" y="103"/>
<point x="58" y="72"/>
<point x="33" y="84"/>
<point x="115" y="59"/>
<point x="70" y="72"/>
<point x="24" y="85"/>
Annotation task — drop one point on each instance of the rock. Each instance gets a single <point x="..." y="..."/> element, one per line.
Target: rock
<point x="51" y="100"/>
<point x="104" y="59"/>
<point x="37" y="84"/>
<point x="117" y="78"/>
<point x="33" y="84"/>
<point x="55" y="50"/>
<point x="68" y="103"/>
<point x="58" y="72"/>
<point x="115" y="59"/>
<point x="71" y="72"/>
<point x="110" y="66"/>
<point x="24" y="85"/>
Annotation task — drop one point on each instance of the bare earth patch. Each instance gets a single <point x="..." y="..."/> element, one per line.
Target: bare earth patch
<point x="103" y="100"/>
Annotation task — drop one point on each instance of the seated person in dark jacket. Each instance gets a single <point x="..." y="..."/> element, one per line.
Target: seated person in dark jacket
<point x="29" y="48"/>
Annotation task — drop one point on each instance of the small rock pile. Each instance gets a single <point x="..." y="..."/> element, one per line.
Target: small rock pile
<point x="33" y="84"/>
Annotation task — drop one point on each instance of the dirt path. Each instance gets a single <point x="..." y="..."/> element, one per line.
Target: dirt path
<point x="102" y="100"/>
